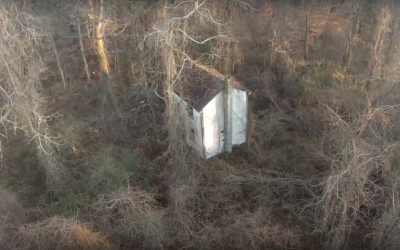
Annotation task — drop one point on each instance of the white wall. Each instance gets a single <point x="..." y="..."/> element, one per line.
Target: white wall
<point x="196" y="123"/>
<point x="212" y="141"/>
<point x="239" y="116"/>
<point x="213" y="123"/>
<point x="193" y="122"/>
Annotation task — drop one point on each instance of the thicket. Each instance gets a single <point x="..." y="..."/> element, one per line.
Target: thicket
<point x="91" y="157"/>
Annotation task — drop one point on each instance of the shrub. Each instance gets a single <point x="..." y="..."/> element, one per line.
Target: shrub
<point x="356" y="187"/>
<point x="11" y="213"/>
<point x="133" y="216"/>
<point x="109" y="169"/>
<point x="10" y="209"/>
<point x="60" y="233"/>
<point x="21" y="73"/>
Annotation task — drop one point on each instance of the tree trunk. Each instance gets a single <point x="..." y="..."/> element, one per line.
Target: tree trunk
<point x="82" y="48"/>
<point x="58" y="62"/>
<point x="106" y="78"/>
<point x="306" y="36"/>
<point x="350" y="35"/>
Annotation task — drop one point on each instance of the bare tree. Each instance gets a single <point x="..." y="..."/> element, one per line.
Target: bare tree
<point x="307" y="7"/>
<point x="53" y="44"/>
<point x="100" y="21"/>
<point x="171" y="37"/>
<point x="381" y="46"/>
<point x="83" y="54"/>
<point x="351" y="29"/>
<point x="21" y="69"/>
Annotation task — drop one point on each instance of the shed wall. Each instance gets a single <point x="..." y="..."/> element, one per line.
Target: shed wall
<point x="213" y="125"/>
<point x="198" y="138"/>
<point x="239" y="116"/>
<point x="192" y="124"/>
<point x="205" y="129"/>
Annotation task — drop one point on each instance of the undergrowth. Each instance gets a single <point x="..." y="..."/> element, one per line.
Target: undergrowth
<point x="320" y="167"/>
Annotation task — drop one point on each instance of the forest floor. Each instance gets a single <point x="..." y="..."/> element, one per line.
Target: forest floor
<point x="95" y="163"/>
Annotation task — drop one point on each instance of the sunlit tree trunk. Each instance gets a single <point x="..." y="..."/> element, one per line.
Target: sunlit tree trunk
<point x="106" y="78"/>
<point x="100" y="47"/>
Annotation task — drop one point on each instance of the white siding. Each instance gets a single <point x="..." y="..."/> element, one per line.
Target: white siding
<point x="213" y="124"/>
<point x="181" y="106"/>
<point x="210" y="141"/>
<point x="196" y="123"/>
<point x="239" y="117"/>
<point x="192" y="124"/>
<point x="176" y="98"/>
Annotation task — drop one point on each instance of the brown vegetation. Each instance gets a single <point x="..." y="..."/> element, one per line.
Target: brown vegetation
<point x="92" y="153"/>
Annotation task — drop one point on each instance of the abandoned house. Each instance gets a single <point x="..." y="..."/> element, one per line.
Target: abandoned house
<point x="213" y="108"/>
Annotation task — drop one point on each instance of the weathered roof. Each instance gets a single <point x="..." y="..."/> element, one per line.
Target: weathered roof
<point x="198" y="84"/>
